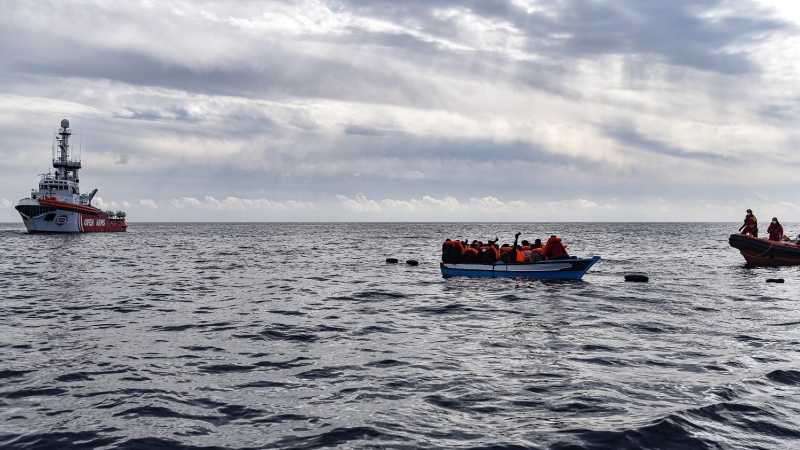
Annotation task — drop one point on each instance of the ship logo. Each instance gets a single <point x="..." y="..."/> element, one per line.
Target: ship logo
<point x="62" y="219"/>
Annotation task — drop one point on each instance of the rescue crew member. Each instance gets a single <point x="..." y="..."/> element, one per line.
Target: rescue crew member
<point x="775" y="230"/>
<point x="750" y="224"/>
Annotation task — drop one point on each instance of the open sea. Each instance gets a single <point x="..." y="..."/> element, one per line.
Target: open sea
<point x="261" y="336"/>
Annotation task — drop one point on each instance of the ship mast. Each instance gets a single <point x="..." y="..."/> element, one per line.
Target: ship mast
<point x="67" y="169"/>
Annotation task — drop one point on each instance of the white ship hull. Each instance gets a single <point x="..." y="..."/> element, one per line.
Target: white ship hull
<point x="48" y="219"/>
<point x="59" y="222"/>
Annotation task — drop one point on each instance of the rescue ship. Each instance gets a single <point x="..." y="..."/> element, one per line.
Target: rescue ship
<point x="58" y="205"/>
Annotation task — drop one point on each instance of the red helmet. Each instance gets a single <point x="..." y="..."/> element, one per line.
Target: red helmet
<point x="775" y="219"/>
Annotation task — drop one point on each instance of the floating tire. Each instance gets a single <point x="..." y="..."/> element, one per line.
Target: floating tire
<point x="412" y="262"/>
<point x="774" y="280"/>
<point x="392" y="260"/>
<point x="636" y="278"/>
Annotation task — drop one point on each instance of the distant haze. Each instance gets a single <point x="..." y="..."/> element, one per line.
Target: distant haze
<point x="386" y="110"/>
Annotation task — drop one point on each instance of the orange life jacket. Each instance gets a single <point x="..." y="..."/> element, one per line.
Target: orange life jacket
<point x="456" y="244"/>
<point x="471" y="250"/>
<point x="520" y="256"/>
<point x="534" y="251"/>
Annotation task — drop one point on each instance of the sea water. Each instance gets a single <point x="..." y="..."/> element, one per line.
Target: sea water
<point x="243" y="336"/>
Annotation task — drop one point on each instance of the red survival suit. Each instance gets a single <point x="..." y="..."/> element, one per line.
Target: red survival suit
<point x="750" y="225"/>
<point x="775" y="230"/>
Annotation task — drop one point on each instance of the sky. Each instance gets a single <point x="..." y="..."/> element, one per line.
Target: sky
<point x="385" y="110"/>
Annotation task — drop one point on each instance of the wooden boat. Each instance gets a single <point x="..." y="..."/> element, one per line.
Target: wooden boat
<point x="763" y="252"/>
<point x="557" y="269"/>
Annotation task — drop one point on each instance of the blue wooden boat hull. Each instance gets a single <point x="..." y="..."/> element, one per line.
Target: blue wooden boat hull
<point x="559" y="269"/>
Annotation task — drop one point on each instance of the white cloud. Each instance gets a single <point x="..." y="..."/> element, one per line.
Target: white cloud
<point x="237" y="204"/>
<point x="147" y="203"/>
<point x="5" y="203"/>
<point x="493" y="204"/>
<point x="104" y="205"/>
<point x="185" y="202"/>
<point x="578" y="203"/>
<point x="360" y="203"/>
<point x="426" y="204"/>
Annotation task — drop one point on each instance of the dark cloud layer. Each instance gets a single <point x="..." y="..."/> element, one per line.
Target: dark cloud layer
<point x="631" y="138"/>
<point x="671" y="32"/>
<point x="674" y="32"/>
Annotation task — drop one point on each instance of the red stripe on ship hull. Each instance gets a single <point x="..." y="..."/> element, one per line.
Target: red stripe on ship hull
<point x="100" y="223"/>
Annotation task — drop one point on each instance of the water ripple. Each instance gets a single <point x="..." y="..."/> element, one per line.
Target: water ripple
<point x="208" y="336"/>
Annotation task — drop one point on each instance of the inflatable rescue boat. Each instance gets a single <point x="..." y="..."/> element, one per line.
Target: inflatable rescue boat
<point x="763" y="252"/>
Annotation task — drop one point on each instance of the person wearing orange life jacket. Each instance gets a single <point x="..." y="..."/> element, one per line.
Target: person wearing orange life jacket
<point x="526" y="250"/>
<point x="537" y="251"/>
<point x="490" y="253"/>
<point x="750" y="224"/>
<point x="554" y="249"/>
<point x="512" y="253"/>
<point x="470" y="255"/>
<point x="519" y="255"/>
<point x="775" y="230"/>
<point x="452" y="251"/>
<point x="476" y="245"/>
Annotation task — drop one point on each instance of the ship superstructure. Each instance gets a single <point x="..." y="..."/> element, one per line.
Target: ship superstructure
<point x="58" y="206"/>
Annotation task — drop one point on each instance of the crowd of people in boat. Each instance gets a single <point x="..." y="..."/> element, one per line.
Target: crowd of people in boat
<point x="775" y="229"/>
<point x="477" y="252"/>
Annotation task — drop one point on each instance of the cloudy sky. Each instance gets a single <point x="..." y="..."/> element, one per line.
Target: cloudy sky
<point x="356" y="110"/>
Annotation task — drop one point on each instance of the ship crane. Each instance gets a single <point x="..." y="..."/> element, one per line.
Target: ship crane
<point x="91" y="196"/>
